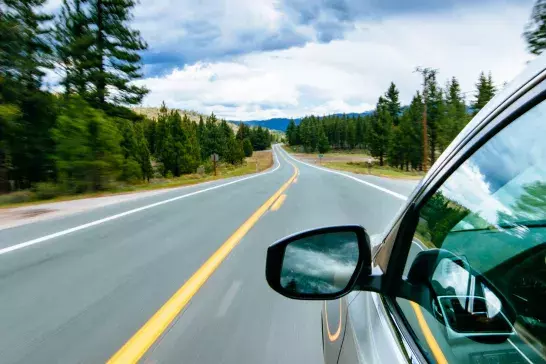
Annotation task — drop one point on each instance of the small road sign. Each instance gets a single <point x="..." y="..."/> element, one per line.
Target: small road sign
<point x="214" y="159"/>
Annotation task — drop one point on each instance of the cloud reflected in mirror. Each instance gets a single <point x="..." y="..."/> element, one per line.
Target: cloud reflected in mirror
<point x="320" y="264"/>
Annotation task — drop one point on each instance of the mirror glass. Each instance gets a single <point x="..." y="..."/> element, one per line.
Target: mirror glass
<point x="465" y="303"/>
<point x="320" y="264"/>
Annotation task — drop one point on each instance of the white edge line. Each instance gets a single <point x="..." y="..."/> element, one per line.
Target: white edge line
<point x="520" y="352"/>
<point x="392" y="193"/>
<point x="15" y="247"/>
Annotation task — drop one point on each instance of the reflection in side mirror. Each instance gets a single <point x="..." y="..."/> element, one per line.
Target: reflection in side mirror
<point x="461" y="298"/>
<point x="467" y="305"/>
<point x="318" y="264"/>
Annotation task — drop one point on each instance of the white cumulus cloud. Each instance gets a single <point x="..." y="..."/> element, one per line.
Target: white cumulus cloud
<point x="348" y="75"/>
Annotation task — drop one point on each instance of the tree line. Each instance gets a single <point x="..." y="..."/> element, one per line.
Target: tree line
<point x="394" y="134"/>
<point x="84" y="137"/>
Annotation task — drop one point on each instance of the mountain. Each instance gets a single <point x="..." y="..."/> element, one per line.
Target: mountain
<point x="282" y="123"/>
<point x="279" y="124"/>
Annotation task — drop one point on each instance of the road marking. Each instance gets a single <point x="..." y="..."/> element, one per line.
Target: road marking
<point x="333" y="337"/>
<point x="117" y="216"/>
<point x="392" y="193"/>
<point x="277" y="204"/>
<point x="228" y="298"/>
<point x="144" y="338"/>
<point x="429" y="337"/>
<point x="520" y="352"/>
<point x="427" y="332"/>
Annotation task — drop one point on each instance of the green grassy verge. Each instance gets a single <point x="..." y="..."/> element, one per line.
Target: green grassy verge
<point x="362" y="168"/>
<point x="357" y="165"/>
<point x="264" y="159"/>
<point x="360" y="153"/>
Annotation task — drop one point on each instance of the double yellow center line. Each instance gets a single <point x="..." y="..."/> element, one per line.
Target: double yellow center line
<point x="145" y="337"/>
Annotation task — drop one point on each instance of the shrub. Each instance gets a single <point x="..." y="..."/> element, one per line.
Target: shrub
<point x="48" y="190"/>
<point x="17" y="197"/>
<point x="247" y="147"/>
<point x="131" y="171"/>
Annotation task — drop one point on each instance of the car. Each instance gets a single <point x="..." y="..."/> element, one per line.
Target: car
<point x="460" y="275"/>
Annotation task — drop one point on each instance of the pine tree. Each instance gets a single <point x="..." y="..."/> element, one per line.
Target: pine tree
<point x="456" y="116"/>
<point x="143" y="152"/>
<point x="393" y="103"/>
<point x="247" y="147"/>
<point x="116" y="61"/>
<point x="485" y="90"/>
<point x="190" y="151"/>
<point x="214" y="137"/>
<point x="291" y="132"/>
<point x="535" y="30"/>
<point x="202" y="137"/>
<point x="243" y="132"/>
<point x="27" y="113"/>
<point x="25" y="49"/>
<point x="74" y="40"/>
<point x="234" y="151"/>
<point x="381" y="129"/>
<point x="411" y="127"/>
<point x="435" y="116"/>
<point x="88" y="153"/>
<point x="323" y="146"/>
<point x="131" y="170"/>
<point x="351" y="133"/>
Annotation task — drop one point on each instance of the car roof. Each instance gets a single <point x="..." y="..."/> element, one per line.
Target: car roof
<point x="533" y="69"/>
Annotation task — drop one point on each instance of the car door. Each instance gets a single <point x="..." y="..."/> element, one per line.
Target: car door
<point x="485" y="204"/>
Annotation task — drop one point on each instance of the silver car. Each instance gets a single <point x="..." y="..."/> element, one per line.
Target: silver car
<point x="460" y="276"/>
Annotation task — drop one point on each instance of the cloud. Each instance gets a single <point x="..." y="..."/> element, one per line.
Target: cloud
<point x="217" y="30"/>
<point x="214" y="30"/>
<point x="348" y="75"/>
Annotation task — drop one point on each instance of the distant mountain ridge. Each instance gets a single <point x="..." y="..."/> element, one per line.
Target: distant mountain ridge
<point x="282" y="123"/>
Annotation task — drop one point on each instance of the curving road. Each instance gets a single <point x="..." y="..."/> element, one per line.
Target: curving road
<point x="76" y="288"/>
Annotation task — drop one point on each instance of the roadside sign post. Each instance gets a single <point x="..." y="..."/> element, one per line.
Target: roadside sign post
<point x="320" y="156"/>
<point x="214" y="158"/>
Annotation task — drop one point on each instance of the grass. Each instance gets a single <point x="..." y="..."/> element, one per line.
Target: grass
<point x="355" y="161"/>
<point x="359" y="153"/>
<point x="362" y="168"/>
<point x="264" y="159"/>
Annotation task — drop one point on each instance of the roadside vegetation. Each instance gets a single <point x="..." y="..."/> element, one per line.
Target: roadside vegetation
<point x="355" y="161"/>
<point x="83" y="138"/>
<point x="375" y="170"/>
<point x="260" y="161"/>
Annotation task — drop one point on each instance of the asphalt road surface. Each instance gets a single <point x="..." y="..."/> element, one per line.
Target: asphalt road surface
<point x="77" y="288"/>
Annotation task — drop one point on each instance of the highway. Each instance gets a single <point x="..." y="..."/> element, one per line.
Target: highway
<point x="77" y="288"/>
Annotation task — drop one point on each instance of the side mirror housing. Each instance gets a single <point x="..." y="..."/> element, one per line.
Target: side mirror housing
<point x="319" y="264"/>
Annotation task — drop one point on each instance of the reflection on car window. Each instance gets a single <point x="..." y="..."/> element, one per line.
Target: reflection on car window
<point x="491" y="212"/>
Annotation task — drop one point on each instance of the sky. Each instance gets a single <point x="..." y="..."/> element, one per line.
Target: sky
<point x="259" y="59"/>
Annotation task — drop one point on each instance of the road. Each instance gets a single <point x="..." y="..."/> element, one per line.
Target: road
<point x="77" y="288"/>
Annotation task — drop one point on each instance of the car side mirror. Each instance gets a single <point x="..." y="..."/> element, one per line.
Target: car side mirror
<point x="466" y="302"/>
<point x="319" y="264"/>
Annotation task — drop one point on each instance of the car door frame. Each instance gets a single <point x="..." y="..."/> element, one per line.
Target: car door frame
<point x="392" y="253"/>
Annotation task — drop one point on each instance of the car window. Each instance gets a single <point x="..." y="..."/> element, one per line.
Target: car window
<point x="490" y="214"/>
